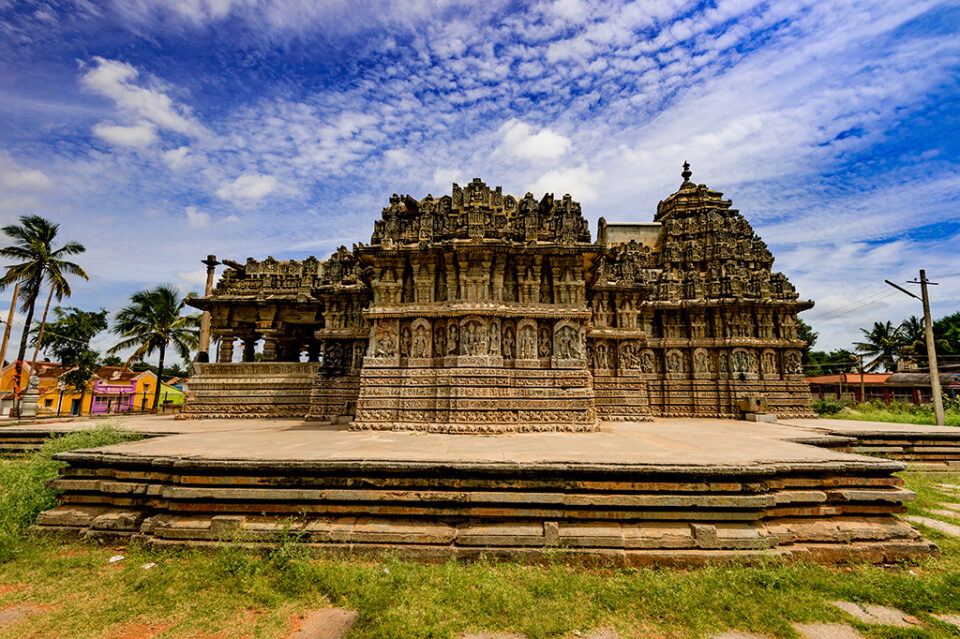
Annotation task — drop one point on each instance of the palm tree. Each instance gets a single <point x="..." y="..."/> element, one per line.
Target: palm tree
<point x="35" y="261"/>
<point x="914" y="337"/>
<point x="883" y="344"/>
<point x="152" y="322"/>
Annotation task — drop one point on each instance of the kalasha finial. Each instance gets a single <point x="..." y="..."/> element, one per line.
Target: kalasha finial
<point x="686" y="172"/>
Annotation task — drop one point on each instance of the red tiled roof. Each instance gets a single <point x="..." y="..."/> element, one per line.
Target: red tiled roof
<point x="850" y="378"/>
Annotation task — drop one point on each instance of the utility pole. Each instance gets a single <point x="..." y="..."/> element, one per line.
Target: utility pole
<point x="931" y="344"/>
<point x="6" y="330"/>
<point x="863" y="391"/>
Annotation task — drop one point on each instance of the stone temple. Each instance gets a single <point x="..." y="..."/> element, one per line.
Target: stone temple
<point x="482" y="312"/>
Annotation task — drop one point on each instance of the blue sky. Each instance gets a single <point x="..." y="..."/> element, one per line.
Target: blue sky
<point x="157" y="132"/>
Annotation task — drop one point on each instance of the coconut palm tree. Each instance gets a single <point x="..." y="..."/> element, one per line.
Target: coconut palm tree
<point x="151" y="322"/>
<point x="35" y="261"/>
<point x="883" y="343"/>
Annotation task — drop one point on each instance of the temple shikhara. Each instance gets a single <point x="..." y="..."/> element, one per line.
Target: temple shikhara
<point x="483" y="312"/>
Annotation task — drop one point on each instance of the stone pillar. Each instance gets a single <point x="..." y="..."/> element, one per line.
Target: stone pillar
<point x="225" y="355"/>
<point x="203" y="354"/>
<point x="249" y="348"/>
<point x="269" y="349"/>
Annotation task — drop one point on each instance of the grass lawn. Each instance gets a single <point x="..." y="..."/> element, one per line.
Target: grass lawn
<point x="896" y="413"/>
<point x="235" y="593"/>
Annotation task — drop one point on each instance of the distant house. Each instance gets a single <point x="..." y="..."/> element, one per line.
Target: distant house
<point x="113" y="390"/>
<point x="910" y="387"/>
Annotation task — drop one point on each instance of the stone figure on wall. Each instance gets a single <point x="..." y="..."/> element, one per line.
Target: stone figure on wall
<point x="568" y="343"/>
<point x="601" y="355"/>
<point x="405" y="342"/>
<point x="493" y="341"/>
<point x="700" y="365"/>
<point x="676" y="363"/>
<point x="791" y="363"/>
<point x="544" y="342"/>
<point x="473" y="340"/>
<point x="453" y="339"/>
<point x="528" y="343"/>
<point x="420" y="341"/>
<point x="724" y="365"/>
<point x="358" y="349"/>
<point x="508" y="342"/>
<point x="741" y="362"/>
<point x="384" y="344"/>
<point x="440" y="341"/>
<point x="769" y="363"/>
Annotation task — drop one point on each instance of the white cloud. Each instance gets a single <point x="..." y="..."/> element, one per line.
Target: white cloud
<point x="176" y="158"/>
<point x="520" y="141"/>
<point x="116" y="80"/>
<point x="580" y="182"/>
<point x="398" y="157"/>
<point x="15" y="178"/>
<point x="446" y="177"/>
<point x="138" y="135"/>
<point x="197" y="219"/>
<point x="248" y="188"/>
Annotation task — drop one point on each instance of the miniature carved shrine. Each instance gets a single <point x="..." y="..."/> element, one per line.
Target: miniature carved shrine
<point x="485" y="312"/>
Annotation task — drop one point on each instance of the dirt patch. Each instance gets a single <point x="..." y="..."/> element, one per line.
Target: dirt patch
<point x="6" y="589"/>
<point x="331" y="623"/>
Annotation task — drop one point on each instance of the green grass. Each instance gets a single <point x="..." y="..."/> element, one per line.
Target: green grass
<point x="22" y="491"/>
<point x="901" y="413"/>
<point x="232" y="592"/>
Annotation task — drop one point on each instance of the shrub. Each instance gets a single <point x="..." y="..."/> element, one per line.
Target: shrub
<point x="828" y="406"/>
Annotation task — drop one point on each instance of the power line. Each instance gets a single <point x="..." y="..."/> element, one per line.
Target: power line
<point x="853" y="307"/>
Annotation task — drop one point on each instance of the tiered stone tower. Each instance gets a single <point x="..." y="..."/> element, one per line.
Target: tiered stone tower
<point x="480" y="312"/>
<point x="478" y="315"/>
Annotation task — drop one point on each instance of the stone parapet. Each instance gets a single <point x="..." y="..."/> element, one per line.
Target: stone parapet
<point x="250" y="389"/>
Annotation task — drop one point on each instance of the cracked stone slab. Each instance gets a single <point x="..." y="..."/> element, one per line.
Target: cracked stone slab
<point x="601" y="633"/>
<point x="10" y="616"/>
<point x="952" y="488"/>
<point x="826" y="631"/>
<point x="331" y="623"/>
<point x="943" y="512"/>
<point x="953" y="619"/>
<point x="940" y="526"/>
<point x="950" y="505"/>
<point x="877" y="615"/>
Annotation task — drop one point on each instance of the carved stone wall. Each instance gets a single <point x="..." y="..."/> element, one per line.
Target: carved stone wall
<point x="250" y="390"/>
<point x="484" y="312"/>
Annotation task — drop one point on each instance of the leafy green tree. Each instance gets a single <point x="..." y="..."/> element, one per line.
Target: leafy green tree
<point x="823" y="363"/>
<point x="152" y="322"/>
<point x="35" y="261"/>
<point x="112" y="360"/>
<point x="946" y="333"/>
<point x="882" y="344"/>
<point x="807" y="334"/>
<point x="67" y="338"/>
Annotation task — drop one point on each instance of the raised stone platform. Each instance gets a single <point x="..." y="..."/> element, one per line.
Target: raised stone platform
<point x="680" y="491"/>
<point x="923" y="447"/>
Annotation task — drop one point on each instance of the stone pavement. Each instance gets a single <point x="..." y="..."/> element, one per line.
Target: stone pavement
<point x="877" y="615"/>
<point x="940" y="526"/>
<point x="711" y="443"/>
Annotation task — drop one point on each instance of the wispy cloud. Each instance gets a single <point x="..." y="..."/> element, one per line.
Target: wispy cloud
<point x="833" y="126"/>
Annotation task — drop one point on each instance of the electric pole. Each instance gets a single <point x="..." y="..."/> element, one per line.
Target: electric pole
<point x="931" y="344"/>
